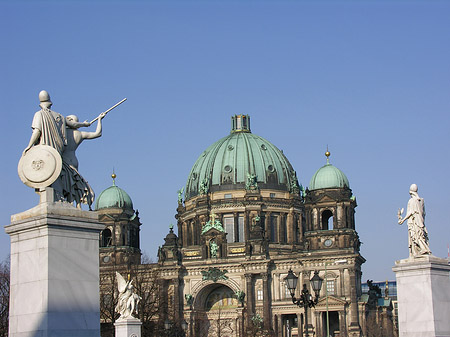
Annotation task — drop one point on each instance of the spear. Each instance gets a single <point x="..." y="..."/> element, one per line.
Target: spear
<point x="114" y="106"/>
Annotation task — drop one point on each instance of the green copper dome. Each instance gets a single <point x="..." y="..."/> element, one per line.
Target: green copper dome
<point x="232" y="161"/>
<point x="114" y="197"/>
<point x="328" y="176"/>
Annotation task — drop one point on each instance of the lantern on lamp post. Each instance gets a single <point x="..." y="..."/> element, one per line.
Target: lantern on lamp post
<point x="305" y="300"/>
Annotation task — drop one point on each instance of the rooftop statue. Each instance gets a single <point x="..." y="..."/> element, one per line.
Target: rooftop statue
<point x="180" y="196"/>
<point x="417" y="232"/>
<point x="49" y="160"/>
<point x="128" y="299"/>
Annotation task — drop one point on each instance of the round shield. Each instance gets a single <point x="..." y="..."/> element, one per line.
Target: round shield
<point x="40" y="166"/>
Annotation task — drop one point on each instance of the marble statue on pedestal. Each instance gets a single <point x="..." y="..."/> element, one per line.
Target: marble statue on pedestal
<point x="417" y="232"/>
<point x="49" y="159"/>
<point x="128" y="299"/>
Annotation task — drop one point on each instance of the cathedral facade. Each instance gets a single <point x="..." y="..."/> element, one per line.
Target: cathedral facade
<point x="243" y="222"/>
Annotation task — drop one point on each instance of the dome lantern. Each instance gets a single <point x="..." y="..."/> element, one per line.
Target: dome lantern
<point x="240" y="123"/>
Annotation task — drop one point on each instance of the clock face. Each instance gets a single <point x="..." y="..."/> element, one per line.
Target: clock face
<point x="328" y="242"/>
<point x="106" y="259"/>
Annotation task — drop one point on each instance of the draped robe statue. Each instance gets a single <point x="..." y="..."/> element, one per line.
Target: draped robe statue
<point x="417" y="232"/>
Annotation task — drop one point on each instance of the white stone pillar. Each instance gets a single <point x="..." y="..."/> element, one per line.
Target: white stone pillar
<point x="423" y="293"/>
<point x="128" y="327"/>
<point x="54" y="272"/>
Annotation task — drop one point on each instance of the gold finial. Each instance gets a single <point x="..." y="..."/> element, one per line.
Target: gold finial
<point x="213" y="218"/>
<point x="327" y="154"/>
<point x="113" y="176"/>
<point x="129" y="277"/>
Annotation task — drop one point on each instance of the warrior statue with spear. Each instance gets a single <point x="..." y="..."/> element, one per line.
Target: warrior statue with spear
<point x="49" y="160"/>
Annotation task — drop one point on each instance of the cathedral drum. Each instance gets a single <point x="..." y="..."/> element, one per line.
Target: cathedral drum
<point x="40" y="166"/>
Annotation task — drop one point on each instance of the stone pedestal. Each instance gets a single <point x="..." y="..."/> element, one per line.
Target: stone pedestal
<point x="128" y="327"/>
<point x="423" y="292"/>
<point x="54" y="272"/>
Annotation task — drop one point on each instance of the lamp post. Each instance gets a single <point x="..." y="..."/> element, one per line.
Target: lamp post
<point x="306" y="301"/>
<point x="326" y="291"/>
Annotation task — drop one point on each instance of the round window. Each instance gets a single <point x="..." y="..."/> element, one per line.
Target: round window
<point x="328" y="242"/>
<point x="228" y="168"/>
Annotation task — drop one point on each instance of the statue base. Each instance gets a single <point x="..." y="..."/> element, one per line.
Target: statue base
<point x="423" y="293"/>
<point x="54" y="271"/>
<point x="128" y="327"/>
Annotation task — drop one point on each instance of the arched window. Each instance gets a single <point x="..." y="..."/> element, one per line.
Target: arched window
<point x="106" y="237"/>
<point x="221" y="298"/>
<point x="327" y="220"/>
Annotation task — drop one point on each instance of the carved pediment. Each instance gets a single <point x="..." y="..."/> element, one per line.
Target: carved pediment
<point x="332" y="302"/>
<point x="213" y="232"/>
<point x="325" y="198"/>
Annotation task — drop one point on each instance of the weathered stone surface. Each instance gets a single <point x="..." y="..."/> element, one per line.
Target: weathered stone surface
<point x="128" y="327"/>
<point x="423" y="292"/>
<point x="54" y="272"/>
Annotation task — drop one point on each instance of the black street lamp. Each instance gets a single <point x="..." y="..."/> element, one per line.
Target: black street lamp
<point x="306" y="301"/>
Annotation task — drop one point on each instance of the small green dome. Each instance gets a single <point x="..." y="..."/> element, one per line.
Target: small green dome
<point x="228" y="163"/>
<point x="114" y="197"/>
<point x="328" y="176"/>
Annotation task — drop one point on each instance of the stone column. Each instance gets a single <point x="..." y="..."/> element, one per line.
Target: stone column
<point x="276" y="287"/>
<point x="249" y="293"/>
<point x="354" y="329"/>
<point x="54" y="286"/>
<point x="319" y="326"/>
<point x="176" y="300"/>
<point x="183" y="233"/>
<point x="423" y="293"/>
<point x="280" y="325"/>
<point x="267" y="224"/>
<point x="266" y="295"/>
<point x="240" y="321"/>
<point x="340" y="216"/>
<point x="290" y="227"/>
<point x="300" y="228"/>
<point x="284" y="228"/>
<point x="190" y="314"/>
<point x="247" y="224"/>
<point x="315" y="221"/>
<point x="342" y="324"/>
<point x="341" y="288"/>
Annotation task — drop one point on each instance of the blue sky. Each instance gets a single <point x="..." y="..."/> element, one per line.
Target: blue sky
<point x="369" y="78"/>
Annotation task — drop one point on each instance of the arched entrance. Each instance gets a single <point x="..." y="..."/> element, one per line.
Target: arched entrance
<point x="216" y="312"/>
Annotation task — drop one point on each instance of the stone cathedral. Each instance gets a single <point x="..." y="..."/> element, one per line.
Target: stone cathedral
<point x="243" y="222"/>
